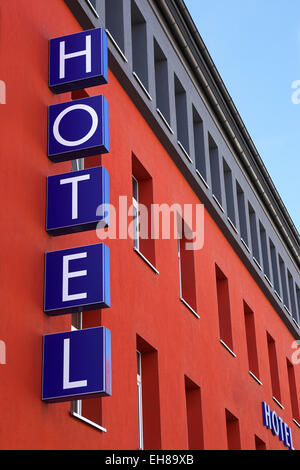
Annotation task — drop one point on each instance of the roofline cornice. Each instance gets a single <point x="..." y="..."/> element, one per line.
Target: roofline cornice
<point x="193" y="48"/>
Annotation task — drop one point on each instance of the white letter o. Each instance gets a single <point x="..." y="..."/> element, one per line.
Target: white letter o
<point x="73" y="143"/>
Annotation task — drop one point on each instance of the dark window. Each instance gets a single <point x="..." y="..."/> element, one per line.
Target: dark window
<point x="233" y="431"/>
<point x="264" y="249"/>
<point x="229" y="192"/>
<point x="114" y="21"/>
<point x="285" y="295"/>
<point x="214" y="169"/>
<point x="181" y="115"/>
<point x="186" y="266"/>
<point x="259" y="444"/>
<point x="139" y="45"/>
<point x="292" y="296"/>
<point x="224" y="308"/>
<point x="199" y="144"/>
<point x="274" y="268"/>
<point x="151" y="432"/>
<point x="142" y="194"/>
<point x="254" y="236"/>
<point x="273" y="367"/>
<point x="242" y="213"/>
<point x="293" y="390"/>
<point x="251" y="340"/>
<point x="298" y="302"/>
<point x="161" y="82"/>
<point x="194" y="415"/>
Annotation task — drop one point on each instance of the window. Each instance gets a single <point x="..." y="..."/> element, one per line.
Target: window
<point x="224" y="308"/>
<point x="161" y="82"/>
<point x="142" y="200"/>
<point x="273" y="367"/>
<point x="274" y="268"/>
<point x="251" y="340"/>
<point x="215" y="170"/>
<point x="199" y="145"/>
<point x="194" y="415"/>
<point x="233" y="431"/>
<point x="139" y="46"/>
<point x="264" y="249"/>
<point x="148" y="396"/>
<point x="114" y="22"/>
<point x="293" y="390"/>
<point x="187" y="278"/>
<point x="140" y="402"/>
<point x="285" y="295"/>
<point x="94" y="7"/>
<point x="181" y="116"/>
<point x="229" y="193"/>
<point x="242" y="214"/>
<point x="292" y="296"/>
<point x="298" y="302"/>
<point x="135" y="203"/>
<point x="259" y="444"/>
<point x="254" y="237"/>
<point x="89" y="410"/>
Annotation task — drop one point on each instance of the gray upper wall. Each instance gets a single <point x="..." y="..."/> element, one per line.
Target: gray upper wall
<point x="203" y="133"/>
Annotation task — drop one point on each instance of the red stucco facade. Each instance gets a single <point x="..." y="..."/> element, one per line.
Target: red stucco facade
<point x="143" y="303"/>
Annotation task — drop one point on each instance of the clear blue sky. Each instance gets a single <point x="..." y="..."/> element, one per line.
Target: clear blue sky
<point x="255" y="45"/>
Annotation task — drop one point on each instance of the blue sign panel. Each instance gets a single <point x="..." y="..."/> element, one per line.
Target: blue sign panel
<point x="76" y="364"/>
<point x="78" y="61"/>
<point x="277" y="426"/>
<point x="77" y="279"/>
<point x="77" y="201"/>
<point x="78" y="129"/>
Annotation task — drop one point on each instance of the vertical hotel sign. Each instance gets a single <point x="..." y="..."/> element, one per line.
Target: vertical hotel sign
<point x="77" y="364"/>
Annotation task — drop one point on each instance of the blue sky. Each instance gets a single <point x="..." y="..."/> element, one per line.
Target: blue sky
<point x="255" y="45"/>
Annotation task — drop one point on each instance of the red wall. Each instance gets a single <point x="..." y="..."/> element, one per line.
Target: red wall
<point x="143" y="302"/>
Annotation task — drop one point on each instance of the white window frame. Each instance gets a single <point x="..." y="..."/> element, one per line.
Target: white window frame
<point x="139" y="399"/>
<point x="135" y="204"/>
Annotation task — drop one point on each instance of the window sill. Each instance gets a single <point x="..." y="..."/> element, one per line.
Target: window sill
<point x="92" y="8"/>
<point x="116" y="46"/>
<point x="245" y="245"/>
<point x="227" y="347"/>
<point x="184" y="151"/>
<point x="287" y="310"/>
<point x="277" y="295"/>
<point x="255" y="378"/>
<point x="189" y="307"/>
<point x="146" y="261"/>
<point x="232" y="225"/>
<point x="218" y="203"/>
<point x="278" y="403"/>
<point x="202" y="178"/>
<point x="296" y="323"/>
<point x="268" y="281"/>
<point x="257" y="263"/>
<point x="87" y="421"/>
<point x="296" y="422"/>
<point x="164" y="120"/>
<point x="139" y="81"/>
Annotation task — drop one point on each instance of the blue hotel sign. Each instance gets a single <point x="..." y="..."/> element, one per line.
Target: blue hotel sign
<point x="76" y="364"/>
<point x="78" y="129"/>
<point x="77" y="279"/>
<point x="78" y="61"/>
<point x="77" y="201"/>
<point x="277" y="426"/>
